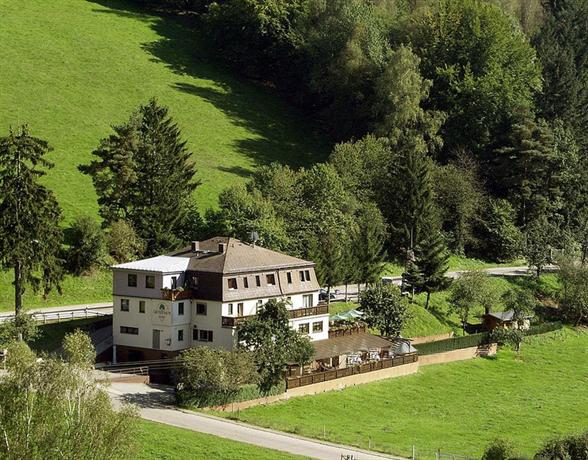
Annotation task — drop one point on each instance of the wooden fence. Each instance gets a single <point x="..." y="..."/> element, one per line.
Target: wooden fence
<point x="317" y="377"/>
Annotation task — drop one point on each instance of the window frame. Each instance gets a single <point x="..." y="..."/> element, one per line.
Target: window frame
<point x="141" y="306"/>
<point x="205" y="309"/>
<point x="180" y="308"/>
<point x="180" y="335"/>
<point x="246" y="282"/>
<point x="129" y="330"/>
<point x="317" y="323"/>
<point x="125" y="305"/>
<point x="258" y="280"/>
<point x="230" y="282"/>
<point x="270" y="279"/>
<point x="132" y="276"/>
<point x="230" y="308"/>
<point x="147" y="283"/>
<point x="289" y="277"/>
<point x="303" y="326"/>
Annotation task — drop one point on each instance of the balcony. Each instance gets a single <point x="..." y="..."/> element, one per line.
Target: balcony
<point x="320" y="309"/>
<point x="176" y="294"/>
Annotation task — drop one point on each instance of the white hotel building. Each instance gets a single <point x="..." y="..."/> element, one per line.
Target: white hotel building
<point x="198" y="295"/>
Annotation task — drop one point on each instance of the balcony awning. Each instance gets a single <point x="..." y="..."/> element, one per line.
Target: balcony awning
<point x="346" y="344"/>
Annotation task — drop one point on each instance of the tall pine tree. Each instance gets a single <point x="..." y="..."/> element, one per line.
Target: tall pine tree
<point x="30" y="236"/>
<point x="144" y="174"/>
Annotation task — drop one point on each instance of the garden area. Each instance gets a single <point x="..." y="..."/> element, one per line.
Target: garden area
<point x="458" y="407"/>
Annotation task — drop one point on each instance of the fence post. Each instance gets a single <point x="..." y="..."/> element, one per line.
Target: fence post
<point x="413" y="452"/>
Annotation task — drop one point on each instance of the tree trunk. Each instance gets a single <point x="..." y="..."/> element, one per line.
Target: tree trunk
<point x="346" y="285"/>
<point x="427" y="301"/>
<point x="17" y="287"/>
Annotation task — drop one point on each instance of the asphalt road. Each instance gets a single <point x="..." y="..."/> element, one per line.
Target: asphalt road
<point x="154" y="405"/>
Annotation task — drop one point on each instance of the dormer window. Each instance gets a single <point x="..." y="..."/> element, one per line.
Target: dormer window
<point x="232" y="283"/>
<point x="271" y="279"/>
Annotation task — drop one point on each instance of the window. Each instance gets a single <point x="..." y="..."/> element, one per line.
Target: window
<point x="230" y="309"/>
<point x="239" y="309"/>
<point x="258" y="305"/>
<point x="201" y="309"/>
<point x="232" y="283"/>
<point x="303" y="328"/>
<point x="246" y="282"/>
<point x="271" y="279"/>
<point x="257" y="280"/>
<point x="181" y="335"/>
<point x="141" y="306"/>
<point x="289" y="277"/>
<point x="150" y="281"/>
<point x="307" y="301"/>
<point x="202" y="335"/>
<point x="317" y="326"/>
<point x="129" y="330"/>
<point x="307" y="275"/>
<point x="301" y="275"/>
<point x="195" y="282"/>
<point x="181" y="309"/>
<point x="124" y="304"/>
<point x="174" y="284"/>
<point x="132" y="280"/>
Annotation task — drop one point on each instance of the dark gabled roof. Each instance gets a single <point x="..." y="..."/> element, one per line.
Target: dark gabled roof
<point x="237" y="257"/>
<point x="346" y="344"/>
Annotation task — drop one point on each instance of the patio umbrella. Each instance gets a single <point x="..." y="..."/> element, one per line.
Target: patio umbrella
<point x="337" y="317"/>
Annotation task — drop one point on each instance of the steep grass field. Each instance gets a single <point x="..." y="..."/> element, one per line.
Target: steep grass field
<point x="457" y="407"/>
<point x="72" y="68"/>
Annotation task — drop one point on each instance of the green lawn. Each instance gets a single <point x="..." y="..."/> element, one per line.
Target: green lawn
<point x="95" y="288"/>
<point x="164" y="442"/>
<point x="72" y="68"/>
<point x="458" y="407"/>
<point x="51" y="335"/>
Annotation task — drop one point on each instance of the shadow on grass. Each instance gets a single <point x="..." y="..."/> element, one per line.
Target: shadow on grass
<point x="273" y="124"/>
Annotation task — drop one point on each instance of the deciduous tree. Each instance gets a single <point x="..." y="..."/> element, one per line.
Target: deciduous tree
<point x="385" y="309"/>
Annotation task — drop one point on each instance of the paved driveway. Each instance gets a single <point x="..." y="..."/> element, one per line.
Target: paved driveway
<point x="154" y="405"/>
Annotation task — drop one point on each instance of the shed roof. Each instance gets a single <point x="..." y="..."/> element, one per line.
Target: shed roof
<point x="503" y="315"/>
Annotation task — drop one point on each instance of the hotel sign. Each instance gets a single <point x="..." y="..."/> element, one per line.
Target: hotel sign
<point x="162" y="314"/>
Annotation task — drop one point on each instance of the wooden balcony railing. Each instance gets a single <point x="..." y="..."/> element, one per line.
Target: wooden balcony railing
<point x="357" y="329"/>
<point x="176" y="294"/>
<point x="320" y="309"/>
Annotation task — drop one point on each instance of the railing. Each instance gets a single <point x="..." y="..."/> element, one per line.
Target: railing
<point x="176" y="294"/>
<point x="320" y="309"/>
<point x="359" y="329"/>
<point x="318" y="377"/>
<point x="65" y="315"/>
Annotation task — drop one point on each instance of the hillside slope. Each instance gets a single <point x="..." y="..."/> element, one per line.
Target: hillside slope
<point x="71" y="68"/>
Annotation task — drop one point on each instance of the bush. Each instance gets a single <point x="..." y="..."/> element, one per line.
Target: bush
<point x="20" y="327"/>
<point x="498" y="450"/>
<point x="87" y="245"/>
<point x="212" y="377"/>
<point x="78" y="349"/>
<point x="124" y="243"/>
<point x="570" y="448"/>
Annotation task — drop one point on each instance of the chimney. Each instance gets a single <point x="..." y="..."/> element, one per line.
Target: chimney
<point x="195" y="246"/>
<point x="221" y="247"/>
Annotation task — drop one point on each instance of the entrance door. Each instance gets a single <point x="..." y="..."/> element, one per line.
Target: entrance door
<point x="156" y="334"/>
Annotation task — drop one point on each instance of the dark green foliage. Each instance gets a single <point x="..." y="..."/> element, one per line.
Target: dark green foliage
<point x="210" y="376"/>
<point x="574" y="295"/>
<point x="367" y="245"/>
<point x="432" y="262"/>
<point x="87" y="245"/>
<point x="273" y="343"/>
<point x="385" y="309"/>
<point x="570" y="448"/>
<point x="328" y="251"/>
<point x="482" y="67"/>
<point x="458" y="198"/>
<point x="123" y="242"/>
<point x="561" y="46"/>
<point x="499" y="238"/>
<point x="30" y="237"/>
<point x="144" y="174"/>
<point x="508" y="336"/>
<point x="541" y="240"/>
<point x="470" y="290"/>
<point x="499" y="450"/>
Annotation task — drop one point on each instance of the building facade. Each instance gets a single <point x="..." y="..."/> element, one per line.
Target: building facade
<point x="198" y="296"/>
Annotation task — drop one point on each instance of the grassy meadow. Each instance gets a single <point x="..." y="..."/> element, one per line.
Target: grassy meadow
<point x="164" y="442"/>
<point x="457" y="407"/>
<point x="72" y="68"/>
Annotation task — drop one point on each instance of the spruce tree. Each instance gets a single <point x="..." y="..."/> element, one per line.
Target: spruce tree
<point x="30" y="236"/>
<point x="144" y="174"/>
<point x="432" y="262"/>
<point x="368" y="245"/>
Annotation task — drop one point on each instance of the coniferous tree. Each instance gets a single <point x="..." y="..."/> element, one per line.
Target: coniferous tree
<point x="327" y="251"/>
<point x="144" y="174"/>
<point x="30" y="236"/>
<point x="368" y="244"/>
<point x="432" y="262"/>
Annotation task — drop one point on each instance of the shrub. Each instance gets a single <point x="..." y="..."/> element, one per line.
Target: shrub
<point x="87" y="245"/>
<point x="78" y="349"/>
<point x="20" y="327"/>
<point x="124" y="243"/>
<point x="570" y="448"/>
<point x="498" y="450"/>
<point x="210" y="377"/>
